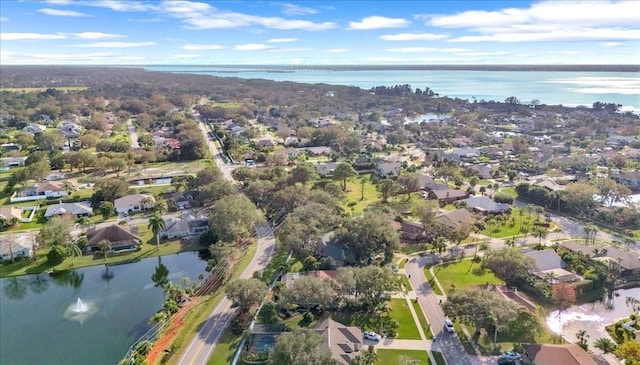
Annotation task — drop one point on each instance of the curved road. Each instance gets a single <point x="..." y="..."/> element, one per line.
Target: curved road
<point x="202" y="345"/>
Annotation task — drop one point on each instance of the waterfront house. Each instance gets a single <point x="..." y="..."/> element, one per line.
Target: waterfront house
<point x="184" y="227"/>
<point x="17" y="245"/>
<point x="121" y="238"/>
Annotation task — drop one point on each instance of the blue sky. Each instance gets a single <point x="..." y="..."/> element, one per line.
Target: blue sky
<point x="319" y="32"/>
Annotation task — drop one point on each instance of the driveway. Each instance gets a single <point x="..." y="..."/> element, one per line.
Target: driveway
<point x="134" y="136"/>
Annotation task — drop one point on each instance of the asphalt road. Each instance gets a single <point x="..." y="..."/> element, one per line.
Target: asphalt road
<point x="202" y="345"/>
<point x="447" y="343"/>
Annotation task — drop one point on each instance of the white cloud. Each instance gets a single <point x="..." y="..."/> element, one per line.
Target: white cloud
<point x="411" y="50"/>
<point x="338" y="50"/>
<point x="97" y="35"/>
<point x="413" y="37"/>
<point x="252" y="47"/>
<point x="282" y="40"/>
<point x="58" y="2"/>
<point x="186" y="55"/>
<point x="131" y="58"/>
<point x="114" y="45"/>
<point x="612" y="44"/>
<point x="120" y="5"/>
<point x="29" y="36"/>
<point x="4" y="19"/>
<point x="556" y="36"/>
<point x="292" y="9"/>
<point x="546" y="21"/>
<point x="378" y="22"/>
<point x="201" y="47"/>
<point x="59" y="12"/>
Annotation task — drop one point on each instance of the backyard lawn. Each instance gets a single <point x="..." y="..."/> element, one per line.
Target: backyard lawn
<point x="354" y="194"/>
<point x="464" y="275"/>
<point x="507" y="228"/>
<point x="386" y="356"/>
<point x="509" y="190"/>
<point x="399" y="310"/>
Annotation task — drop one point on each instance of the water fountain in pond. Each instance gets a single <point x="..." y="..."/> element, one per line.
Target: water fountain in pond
<point x="80" y="311"/>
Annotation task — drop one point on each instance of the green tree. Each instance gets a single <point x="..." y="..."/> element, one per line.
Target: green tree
<point x="73" y="250"/>
<point x="104" y="247"/>
<point x="233" y="217"/>
<point x="302" y="228"/>
<point x="156" y="225"/>
<point x="56" y="254"/>
<point x="246" y="292"/>
<point x="480" y="307"/>
<point x="302" y="346"/>
<point x="56" y="231"/>
<point x="367" y="357"/>
<point x="161" y="206"/>
<point x="307" y="292"/>
<point x="268" y="313"/>
<point x="410" y="182"/>
<point x="160" y="276"/>
<point x="583" y="339"/>
<point x="387" y="188"/>
<point x="366" y="236"/>
<point x="509" y="264"/>
<point x="106" y="209"/>
<point x="343" y="172"/>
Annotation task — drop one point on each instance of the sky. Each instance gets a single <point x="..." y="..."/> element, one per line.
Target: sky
<point x="244" y="32"/>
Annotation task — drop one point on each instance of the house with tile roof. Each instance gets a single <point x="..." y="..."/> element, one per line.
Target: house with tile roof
<point x="552" y="354"/>
<point x="121" y="238"/>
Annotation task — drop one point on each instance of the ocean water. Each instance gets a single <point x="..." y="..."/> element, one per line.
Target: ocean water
<point x="549" y="87"/>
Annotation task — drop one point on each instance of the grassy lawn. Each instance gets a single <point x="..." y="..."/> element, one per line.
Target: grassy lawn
<point x="449" y="207"/>
<point x="406" y="283"/>
<point x="423" y="321"/>
<point x="402" y="263"/>
<point x="199" y="314"/>
<point x="225" y="349"/>
<point x="464" y="274"/>
<point x="509" y="190"/>
<point x="509" y="228"/>
<point x="148" y="249"/>
<point x="437" y="355"/>
<point x="392" y="357"/>
<point x="354" y="194"/>
<point x="399" y="310"/>
<point x="466" y="343"/>
<point x="436" y="289"/>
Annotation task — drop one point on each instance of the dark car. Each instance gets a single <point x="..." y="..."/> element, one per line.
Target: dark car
<point x="506" y="361"/>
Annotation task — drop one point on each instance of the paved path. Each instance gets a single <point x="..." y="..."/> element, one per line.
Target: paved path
<point x="225" y="168"/>
<point x="202" y="345"/>
<point x="134" y="136"/>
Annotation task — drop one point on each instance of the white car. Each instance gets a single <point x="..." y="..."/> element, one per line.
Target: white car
<point x="371" y="336"/>
<point x="448" y="326"/>
<point x="511" y="355"/>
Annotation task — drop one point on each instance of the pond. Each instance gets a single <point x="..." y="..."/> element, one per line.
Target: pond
<point x="86" y="316"/>
<point x="592" y="317"/>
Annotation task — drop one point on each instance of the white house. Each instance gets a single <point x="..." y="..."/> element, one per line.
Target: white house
<point x="71" y="130"/>
<point x="81" y="209"/>
<point x="34" y="128"/>
<point x="185" y="226"/>
<point x="52" y="189"/>
<point x="134" y="203"/>
<point x="16" y="245"/>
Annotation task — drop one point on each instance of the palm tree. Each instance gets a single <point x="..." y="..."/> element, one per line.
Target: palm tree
<point x="605" y="345"/>
<point x="156" y="224"/>
<point x="147" y="202"/>
<point x="440" y="245"/>
<point x="85" y="222"/>
<point x="74" y="250"/>
<point x="161" y="206"/>
<point x="105" y="247"/>
<point x="540" y="233"/>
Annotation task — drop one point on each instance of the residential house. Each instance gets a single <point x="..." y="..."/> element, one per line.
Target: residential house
<point x="630" y="179"/>
<point x="485" y="205"/>
<point x="183" y="199"/>
<point x="17" y="245"/>
<point x="11" y="162"/>
<point x="615" y="140"/>
<point x="71" y="130"/>
<point x="326" y="169"/>
<point x="551" y="354"/>
<point x="327" y="248"/>
<point x="466" y="154"/>
<point x="448" y="196"/>
<point x="266" y="142"/>
<point x="134" y="203"/>
<point x="455" y="218"/>
<point x="290" y="152"/>
<point x="10" y="147"/>
<point x="578" y="248"/>
<point x="629" y="262"/>
<point x="9" y="215"/>
<point x="183" y="227"/>
<point x="549" y="185"/>
<point x="484" y="171"/>
<point x="317" y="150"/>
<point x="120" y="237"/>
<point x="410" y="232"/>
<point x="388" y="169"/>
<point x="550" y="266"/>
<point x="344" y="342"/>
<point x="45" y="190"/>
<point x="34" y="128"/>
<point x="81" y="209"/>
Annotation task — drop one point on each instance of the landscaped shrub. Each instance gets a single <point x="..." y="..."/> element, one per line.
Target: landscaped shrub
<point x="56" y="255"/>
<point x="503" y="198"/>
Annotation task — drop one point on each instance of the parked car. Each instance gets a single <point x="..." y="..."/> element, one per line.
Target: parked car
<point x="511" y="355"/>
<point x="506" y="361"/>
<point x="372" y="336"/>
<point x="448" y="326"/>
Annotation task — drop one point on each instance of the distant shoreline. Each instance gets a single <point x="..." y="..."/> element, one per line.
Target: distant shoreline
<point x="293" y="68"/>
